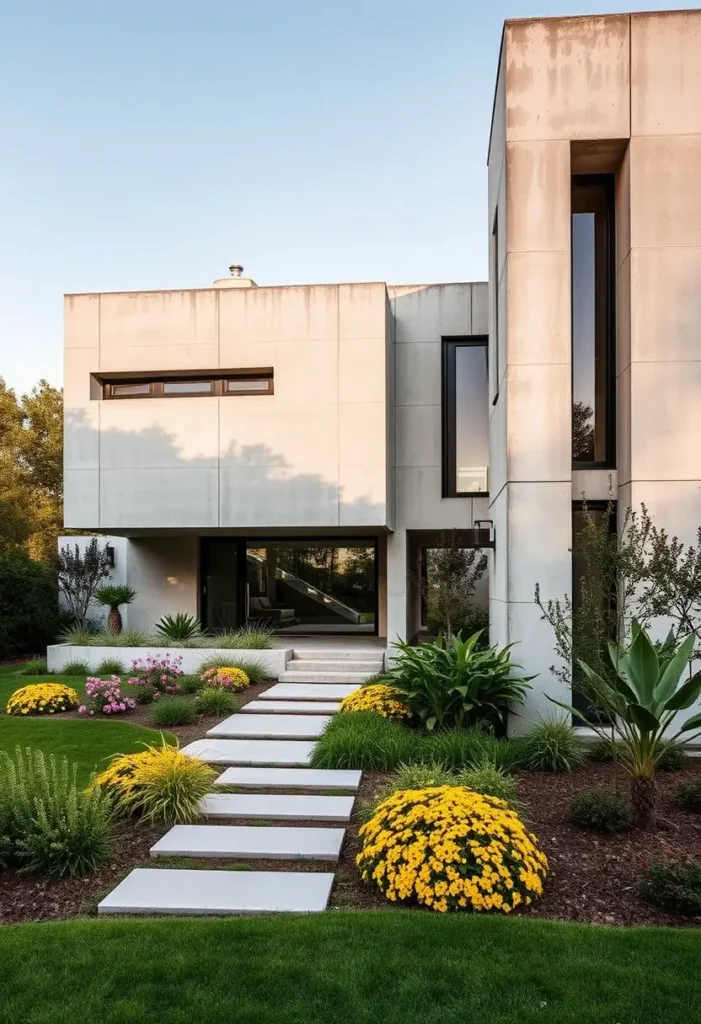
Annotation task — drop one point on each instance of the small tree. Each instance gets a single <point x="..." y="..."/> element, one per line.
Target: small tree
<point x="449" y="583"/>
<point x="112" y="595"/>
<point x="79" y="576"/>
<point x="672" y="588"/>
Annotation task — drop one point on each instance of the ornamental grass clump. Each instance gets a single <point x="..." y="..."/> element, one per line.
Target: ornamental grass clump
<point x="382" y="699"/>
<point x="553" y="746"/>
<point x="224" y="677"/>
<point x="42" y="699"/>
<point x="159" y="783"/>
<point x="449" y="848"/>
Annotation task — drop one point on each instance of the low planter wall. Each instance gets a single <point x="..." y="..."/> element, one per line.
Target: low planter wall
<point x="59" y="655"/>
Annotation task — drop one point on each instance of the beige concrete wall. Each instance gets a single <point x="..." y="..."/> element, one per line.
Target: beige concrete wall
<point x="312" y="454"/>
<point x="163" y="571"/>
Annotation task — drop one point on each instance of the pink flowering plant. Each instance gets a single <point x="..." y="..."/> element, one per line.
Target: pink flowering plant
<point x="105" y="697"/>
<point x="152" y="677"/>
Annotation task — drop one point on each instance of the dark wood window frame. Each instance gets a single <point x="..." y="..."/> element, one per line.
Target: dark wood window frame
<point x="595" y="193"/>
<point x="221" y="384"/>
<point x="448" y="404"/>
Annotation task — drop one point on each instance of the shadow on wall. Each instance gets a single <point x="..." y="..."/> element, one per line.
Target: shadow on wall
<point x="121" y="479"/>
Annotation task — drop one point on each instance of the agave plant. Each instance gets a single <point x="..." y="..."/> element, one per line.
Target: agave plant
<point x="642" y="697"/>
<point x="452" y="684"/>
<point x="113" y="595"/>
<point x="179" y="627"/>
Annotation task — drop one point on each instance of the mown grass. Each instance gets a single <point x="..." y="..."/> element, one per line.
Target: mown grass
<point x="87" y="743"/>
<point x="399" y="968"/>
<point x="11" y="679"/>
<point x="368" y="741"/>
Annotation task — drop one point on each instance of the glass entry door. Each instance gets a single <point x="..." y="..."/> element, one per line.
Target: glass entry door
<point x="223" y="583"/>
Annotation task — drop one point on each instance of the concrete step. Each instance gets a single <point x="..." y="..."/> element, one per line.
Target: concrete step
<point x="337" y="654"/>
<point x="307" y="691"/>
<point x="277" y="806"/>
<point x="269" y="727"/>
<point x="251" y="842"/>
<point x="173" y="891"/>
<point x="357" y="678"/>
<point x="278" y="753"/>
<point x="364" y="668"/>
<point x="291" y="707"/>
<point x="290" y="778"/>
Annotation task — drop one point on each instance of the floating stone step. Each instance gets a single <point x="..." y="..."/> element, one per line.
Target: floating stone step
<point x="342" y="678"/>
<point x="290" y="778"/>
<point x="306" y="691"/>
<point x="364" y="668"/>
<point x="333" y="653"/>
<point x="250" y="842"/>
<point x="277" y="806"/>
<point x="291" y="707"/>
<point x="172" y="891"/>
<point x="282" y="727"/>
<point x="249" y="752"/>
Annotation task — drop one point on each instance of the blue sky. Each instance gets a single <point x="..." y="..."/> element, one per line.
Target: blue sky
<point x="149" y="144"/>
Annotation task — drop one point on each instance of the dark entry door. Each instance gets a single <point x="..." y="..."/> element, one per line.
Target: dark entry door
<point x="223" y="583"/>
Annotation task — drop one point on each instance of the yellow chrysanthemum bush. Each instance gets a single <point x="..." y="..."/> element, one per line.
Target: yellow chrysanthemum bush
<point x="448" y="848"/>
<point x="42" y="699"/>
<point x="225" y="677"/>
<point x="160" y="783"/>
<point x="382" y="699"/>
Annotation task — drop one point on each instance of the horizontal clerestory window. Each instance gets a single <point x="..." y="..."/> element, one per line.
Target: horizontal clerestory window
<point x="229" y="382"/>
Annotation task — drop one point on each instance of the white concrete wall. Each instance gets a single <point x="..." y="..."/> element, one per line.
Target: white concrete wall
<point x="190" y="658"/>
<point x="312" y="454"/>
<point x="117" y="576"/>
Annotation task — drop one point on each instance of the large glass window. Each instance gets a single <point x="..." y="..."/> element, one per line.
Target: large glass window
<point x="593" y="320"/>
<point x="465" y="417"/>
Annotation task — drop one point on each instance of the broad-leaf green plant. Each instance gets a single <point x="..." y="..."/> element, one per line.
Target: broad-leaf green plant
<point x="452" y="684"/>
<point x="642" y="696"/>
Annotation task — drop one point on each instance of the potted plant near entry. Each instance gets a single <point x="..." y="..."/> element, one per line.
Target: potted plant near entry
<point x="112" y="595"/>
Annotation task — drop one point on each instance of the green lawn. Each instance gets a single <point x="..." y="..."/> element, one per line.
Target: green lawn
<point x="11" y="680"/>
<point x="88" y="743"/>
<point x="363" y="968"/>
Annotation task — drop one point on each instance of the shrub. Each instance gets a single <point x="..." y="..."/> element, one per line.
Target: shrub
<point x="110" y="667"/>
<point x="247" y="638"/>
<point x="602" y="810"/>
<point x="160" y="783"/>
<point x="452" y="684"/>
<point x="29" y="615"/>
<point x="553" y="746"/>
<point x="225" y="678"/>
<point x="215" y="702"/>
<point x="154" y="676"/>
<point x="256" y="672"/>
<point x="51" y="825"/>
<point x="75" y="668"/>
<point x="178" y="627"/>
<point x="190" y="684"/>
<point x="489" y="780"/>
<point x="449" y="848"/>
<point x="673" y="758"/>
<point x="674" y="886"/>
<point x="455" y="750"/>
<point x="104" y="696"/>
<point x="380" y="698"/>
<point x="42" y="699"/>
<point x="364" y="740"/>
<point x="688" y="796"/>
<point x="173" y="711"/>
<point x="35" y="667"/>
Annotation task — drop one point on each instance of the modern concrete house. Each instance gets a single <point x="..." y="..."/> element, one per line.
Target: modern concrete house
<point x="291" y="453"/>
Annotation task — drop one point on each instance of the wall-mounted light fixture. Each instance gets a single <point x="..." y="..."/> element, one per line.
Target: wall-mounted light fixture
<point x="109" y="551"/>
<point x="483" y="533"/>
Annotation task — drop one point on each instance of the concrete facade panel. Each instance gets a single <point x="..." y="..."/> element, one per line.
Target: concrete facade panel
<point x="362" y="367"/>
<point x="538" y="196"/>
<point x="184" y="319"/>
<point x="540" y="529"/>
<point x="133" y="498"/>
<point x="255" y="496"/>
<point x="538" y="304"/>
<point x="81" y="321"/>
<point x="429" y="312"/>
<point x="665" y="197"/>
<point x="666" y="73"/>
<point x="81" y="498"/>
<point x="666" y="312"/>
<point x="418" y="435"/>
<point x="539" y="423"/>
<point x="418" y="373"/>
<point x="159" y="433"/>
<point x="361" y="310"/>
<point x="289" y="314"/>
<point x="664" y="400"/>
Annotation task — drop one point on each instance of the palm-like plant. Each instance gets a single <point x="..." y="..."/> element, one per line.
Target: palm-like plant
<point x="453" y="684"/>
<point x="642" y="697"/>
<point x="112" y="595"/>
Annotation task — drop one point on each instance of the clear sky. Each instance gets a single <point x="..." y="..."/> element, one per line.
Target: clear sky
<point x="149" y="144"/>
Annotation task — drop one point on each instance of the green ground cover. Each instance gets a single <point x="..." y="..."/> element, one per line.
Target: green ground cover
<point x="400" y="968"/>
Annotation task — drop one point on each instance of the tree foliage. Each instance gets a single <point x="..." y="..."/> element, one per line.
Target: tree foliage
<point x="79" y="576"/>
<point x="449" y="583"/>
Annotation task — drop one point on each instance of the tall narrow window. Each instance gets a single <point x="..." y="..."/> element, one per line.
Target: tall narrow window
<point x="593" y="321"/>
<point x="495" y="306"/>
<point x="465" y="417"/>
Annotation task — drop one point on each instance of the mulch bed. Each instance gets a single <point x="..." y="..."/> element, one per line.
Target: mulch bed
<point x="593" y="878"/>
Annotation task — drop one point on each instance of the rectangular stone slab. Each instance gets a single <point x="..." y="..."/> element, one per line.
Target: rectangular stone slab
<point x="172" y="891"/>
<point x="265" y="727"/>
<point x="291" y="707"/>
<point x="290" y="778"/>
<point x="281" y="753"/>
<point x="306" y="691"/>
<point x="250" y="842"/>
<point x="277" y="806"/>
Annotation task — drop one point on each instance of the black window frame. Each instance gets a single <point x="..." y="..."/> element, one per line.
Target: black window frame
<point x="156" y="382"/>
<point x="495" y="321"/>
<point x="449" y="405"/>
<point x="605" y="285"/>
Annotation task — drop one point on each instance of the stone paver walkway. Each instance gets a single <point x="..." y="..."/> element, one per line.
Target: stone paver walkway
<point x="268" y="747"/>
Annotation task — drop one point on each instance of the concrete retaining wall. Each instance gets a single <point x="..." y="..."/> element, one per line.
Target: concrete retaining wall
<point x="59" y="655"/>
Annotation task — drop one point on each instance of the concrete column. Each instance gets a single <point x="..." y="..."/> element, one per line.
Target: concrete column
<point x="396" y="586"/>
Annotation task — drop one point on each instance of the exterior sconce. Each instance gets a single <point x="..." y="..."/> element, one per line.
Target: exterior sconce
<point x="483" y="533"/>
<point x="109" y="551"/>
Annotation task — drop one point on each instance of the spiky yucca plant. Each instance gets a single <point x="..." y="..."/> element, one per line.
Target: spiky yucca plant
<point x="112" y="596"/>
